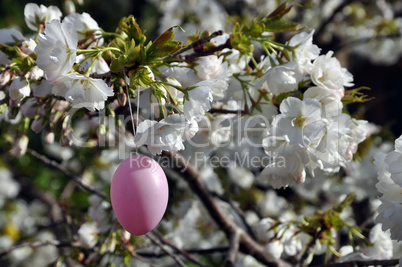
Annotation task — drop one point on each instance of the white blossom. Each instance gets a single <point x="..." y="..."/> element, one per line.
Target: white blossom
<point x="88" y="234"/>
<point x="213" y="68"/>
<point x="390" y="209"/>
<point x="30" y="108"/>
<point x="19" y="89"/>
<point x="264" y="229"/>
<point x="84" y="22"/>
<point x="288" y="163"/>
<point x="56" y="49"/>
<point x="199" y="100"/>
<point x="167" y="134"/>
<point x="300" y="120"/>
<point x="36" y="15"/>
<point x="8" y="187"/>
<point x="9" y="36"/>
<point x="306" y="50"/>
<point x="99" y="66"/>
<point x="274" y="249"/>
<point x="38" y="124"/>
<point x="83" y="91"/>
<point x="328" y="73"/>
<point x="281" y="79"/>
<point x="42" y="89"/>
<point x="28" y="47"/>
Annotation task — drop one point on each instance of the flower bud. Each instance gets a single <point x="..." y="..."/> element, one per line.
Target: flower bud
<point x="38" y="124"/>
<point x="65" y="140"/>
<point x="69" y="6"/>
<point x="274" y="249"/>
<point x="20" y="146"/>
<point x="5" y="78"/>
<point x="19" y="89"/>
<point x="28" y="47"/>
<point x="49" y="138"/>
<point x="29" y="108"/>
<point x="122" y="99"/>
<point x="36" y="73"/>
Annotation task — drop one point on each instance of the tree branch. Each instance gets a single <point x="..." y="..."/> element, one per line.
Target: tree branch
<point x="239" y="212"/>
<point x="183" y="252"/>
<point x="158" y="243"/>
<point x="324" y="24"/>
<point x="246" y="243"/>
<point x="66" y="172"/>
<point x="197" y="43"/>
<point x="393" y="262"/>
<point x="190" y="251"/>
<point x="233" y="250"/>
<point x="37" y="244"/>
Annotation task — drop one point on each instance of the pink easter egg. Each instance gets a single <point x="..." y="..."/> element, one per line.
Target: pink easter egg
<point x="139" y="194"/>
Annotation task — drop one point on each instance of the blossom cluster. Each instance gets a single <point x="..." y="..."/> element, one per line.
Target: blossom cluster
<point x="245" y="122"/>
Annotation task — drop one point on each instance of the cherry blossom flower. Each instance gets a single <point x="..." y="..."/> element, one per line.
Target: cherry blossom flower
<point x="328" y="73"/>
<point x="281" y="79"/>
<point x="288" y="162"/>
<point x="19" y="89"/>
<point x="213" y="68"/>
<point x="381" y="248"/>
<point x="306" y="50"/>
<point x="30" y="108"/>
<point x="35" y="15"/>
<point x="99" y="66"/>
<point x="56" y="49"/>
<point x="167" y="134"/>
<point x="28" y="47"/>
<point x="88" y="234"/>
<point x="300" y="120"/>
<point x="20" y="146"/>
<point x="9" y="36"/>
<point x="199" y="100"/>
<point x="84" y="22"/>
<point x="390" y="209"/>
<point x="82" y="91"/>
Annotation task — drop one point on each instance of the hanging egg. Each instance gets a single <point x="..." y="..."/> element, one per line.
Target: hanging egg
<point x="139" y="194"/>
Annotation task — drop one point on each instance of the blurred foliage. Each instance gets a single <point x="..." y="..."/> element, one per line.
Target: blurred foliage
<point x="12" y="13"/>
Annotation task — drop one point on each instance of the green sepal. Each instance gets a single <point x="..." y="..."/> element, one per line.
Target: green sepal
<point x="280" y="11"/>
<point x="163" y="45"/>
<point x="281" y="25"/>
<point x="116" y="66"/>
<point x="130" y="27"/>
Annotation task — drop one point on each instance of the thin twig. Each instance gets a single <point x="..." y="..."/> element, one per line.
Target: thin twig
<point x="393" y="262"/>
<point x="37" y="244"/>
<point x="366" y="40"/>
<point x="66" y="172"/>
<point x="159" y="244"/>
<point x="239" y="212"/>
<point x="330" y="18"/>
<point x="191" y="251"/>
<point x="206" y="53"/>
<point x="226" y="111"/>
<point x="198" y="43"/>
<point x="233" y="251"/>
<point x="309" y="248"/>
<point x="183" y="252"/>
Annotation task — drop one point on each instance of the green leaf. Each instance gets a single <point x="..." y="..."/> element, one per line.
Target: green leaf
<point x="116" y="66"/>
<point x="282" y="26"/>
<point x="3" y="108"/>
<point x="356" y="96"/>
<point x="164" y="45"/>
<point x="132" y="29"/>
<point x="280" y="11"/>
